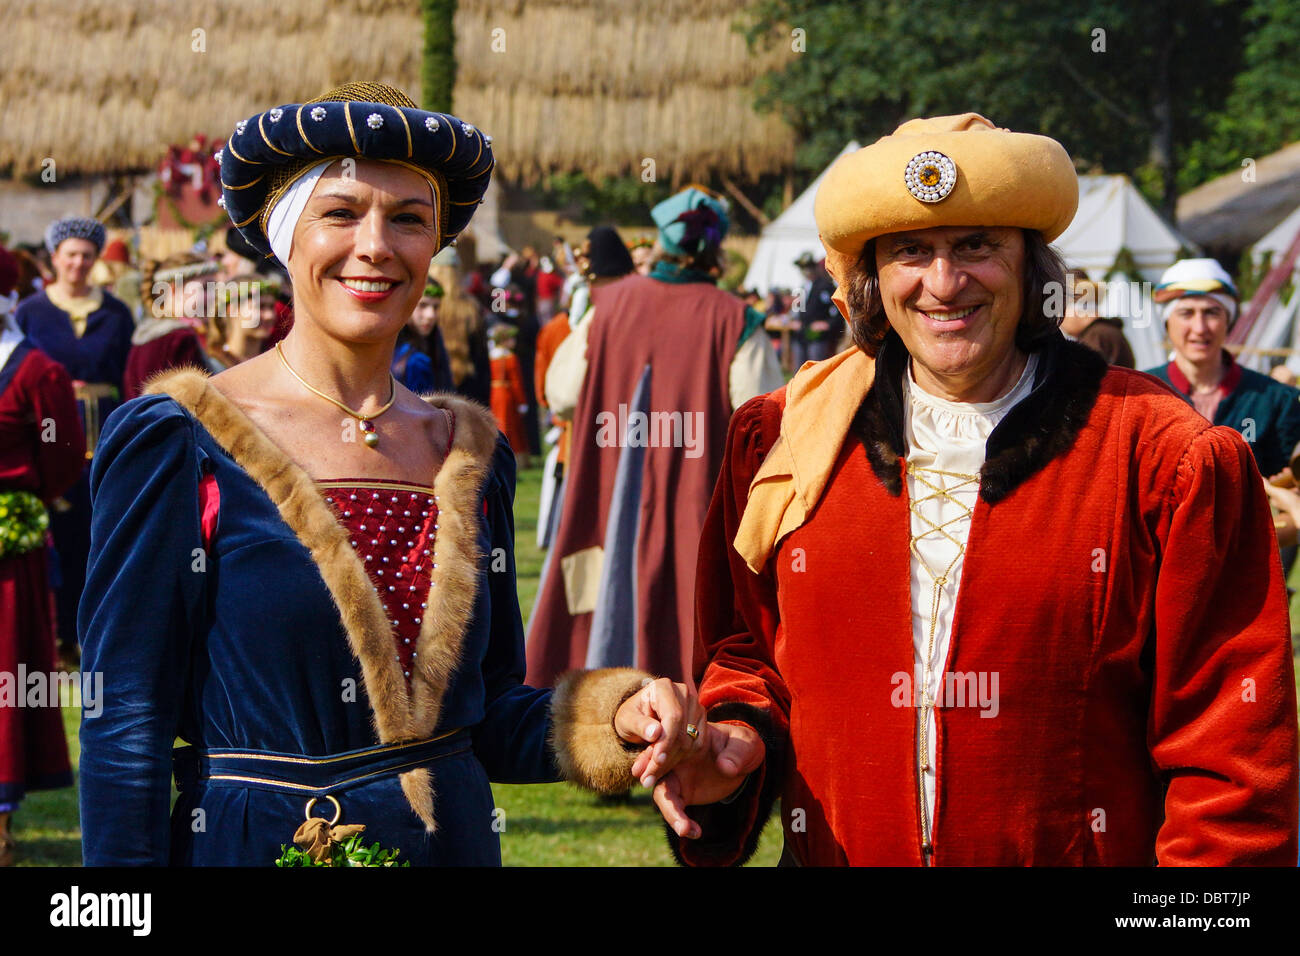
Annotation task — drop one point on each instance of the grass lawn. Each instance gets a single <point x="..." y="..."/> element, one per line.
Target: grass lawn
<point x="545" y="825"/>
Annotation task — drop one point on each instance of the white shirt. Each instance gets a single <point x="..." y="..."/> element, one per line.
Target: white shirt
<point x="949" y="437"/>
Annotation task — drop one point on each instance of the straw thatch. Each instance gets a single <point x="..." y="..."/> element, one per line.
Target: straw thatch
<point x="1228" y="214"/>
<point x="596" y="86"/>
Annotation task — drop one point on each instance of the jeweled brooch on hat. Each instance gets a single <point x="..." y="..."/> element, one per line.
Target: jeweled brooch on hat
<point x="930" y="176"/>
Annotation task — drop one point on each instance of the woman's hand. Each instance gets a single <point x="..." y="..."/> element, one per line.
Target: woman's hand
<point x="662" y="714"/>
<point x="734" y="751"/>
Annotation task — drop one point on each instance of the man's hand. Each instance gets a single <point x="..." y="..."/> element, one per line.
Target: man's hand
<point x="662" y="714"/>
<point x="714" y="773"/>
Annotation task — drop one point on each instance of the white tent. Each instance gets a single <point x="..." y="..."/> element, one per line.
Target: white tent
<point x="1113" y="216"/>
<point x="1278" y="240"/>
<point x="1276" y="326"/>
<point x="784" y="239"/>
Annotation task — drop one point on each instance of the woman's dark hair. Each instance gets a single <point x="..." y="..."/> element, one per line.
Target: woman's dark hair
<point x="1044" y="282"/>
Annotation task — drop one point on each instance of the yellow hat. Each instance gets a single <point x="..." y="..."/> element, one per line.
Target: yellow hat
<point x="946" y="171"/>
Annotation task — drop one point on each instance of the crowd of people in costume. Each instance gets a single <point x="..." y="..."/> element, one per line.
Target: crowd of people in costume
<point x="758" y="519"/>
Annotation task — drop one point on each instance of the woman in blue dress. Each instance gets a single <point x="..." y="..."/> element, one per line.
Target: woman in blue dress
<point x="305" y="571"/>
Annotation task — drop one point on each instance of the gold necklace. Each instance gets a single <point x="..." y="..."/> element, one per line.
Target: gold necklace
<point x="364" y="422"/>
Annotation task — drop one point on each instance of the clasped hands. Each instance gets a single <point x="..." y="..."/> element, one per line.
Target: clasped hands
<point x="684" y="770"/>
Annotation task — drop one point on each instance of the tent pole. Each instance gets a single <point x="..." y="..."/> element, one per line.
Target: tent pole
<point x="1269" y="288"/>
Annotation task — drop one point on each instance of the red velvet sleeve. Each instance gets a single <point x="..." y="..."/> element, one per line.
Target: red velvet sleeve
<point x="736" y="619"/>
<point x="1222" y="725"/>
<point x="61" y="452"/>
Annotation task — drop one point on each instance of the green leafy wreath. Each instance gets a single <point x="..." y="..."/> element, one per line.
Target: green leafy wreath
<point x="23" y="523"/>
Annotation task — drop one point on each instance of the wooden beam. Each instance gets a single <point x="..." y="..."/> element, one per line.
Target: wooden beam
<point x="744" y="201"/>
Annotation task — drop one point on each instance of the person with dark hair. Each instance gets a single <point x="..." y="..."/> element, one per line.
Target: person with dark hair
<point x="652" y="376"/>
<point x="1080" y="322"/>
<point x="420" y="359"/>
<point x="966" y="594"/>
<point x="820" y="325"/>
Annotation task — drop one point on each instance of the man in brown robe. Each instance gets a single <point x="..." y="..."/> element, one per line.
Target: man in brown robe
<point x="658" y="366"/>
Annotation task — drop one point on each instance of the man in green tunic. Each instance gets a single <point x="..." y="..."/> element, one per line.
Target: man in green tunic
<point x="1201" y="306"/>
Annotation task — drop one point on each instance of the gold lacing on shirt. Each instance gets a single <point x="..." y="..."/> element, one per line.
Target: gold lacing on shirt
<point x="937" y="491"/>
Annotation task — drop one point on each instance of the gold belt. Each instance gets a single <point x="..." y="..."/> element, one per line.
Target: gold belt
<point x="90" y="393"/>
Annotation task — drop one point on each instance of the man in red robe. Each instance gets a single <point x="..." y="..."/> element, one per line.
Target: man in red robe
<point x="966" y="596"/>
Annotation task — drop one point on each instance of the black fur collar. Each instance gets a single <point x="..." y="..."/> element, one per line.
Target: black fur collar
<point x="1038" y="429"/>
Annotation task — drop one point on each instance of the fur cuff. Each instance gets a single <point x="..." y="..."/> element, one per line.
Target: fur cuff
<point x="587" y="750"/>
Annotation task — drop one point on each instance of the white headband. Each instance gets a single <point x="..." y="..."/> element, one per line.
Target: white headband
<point x="285" y="213"/>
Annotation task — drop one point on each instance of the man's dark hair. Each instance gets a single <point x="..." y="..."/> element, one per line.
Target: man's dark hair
<point x="1044" y="285"/>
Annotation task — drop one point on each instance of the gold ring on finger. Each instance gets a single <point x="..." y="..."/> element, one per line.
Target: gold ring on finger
<point x="692" y="731"/>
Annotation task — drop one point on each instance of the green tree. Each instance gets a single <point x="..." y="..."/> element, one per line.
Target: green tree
<point x="1124" y="86"/>
<point x="1262" y="112"/>
<point x="438" y="66"/>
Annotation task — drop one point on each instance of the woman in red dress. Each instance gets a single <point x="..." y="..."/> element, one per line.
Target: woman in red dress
<point x="42" y="451"/>
<point x="509" y="401"/>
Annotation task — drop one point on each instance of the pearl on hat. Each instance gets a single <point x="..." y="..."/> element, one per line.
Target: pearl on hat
<point x="466" y="128"/>
<point x="318" y="113"/>
<point x="374" y="121"/>
<point x="275" y="114"/>
<point x="218" y="156"/>
<point x="221" y="201"/>
<point x="241" y="126"/>
<point x="431" y="124"/>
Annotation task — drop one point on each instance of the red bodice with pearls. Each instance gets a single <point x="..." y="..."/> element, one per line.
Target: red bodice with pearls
<point x="392" y="525"/>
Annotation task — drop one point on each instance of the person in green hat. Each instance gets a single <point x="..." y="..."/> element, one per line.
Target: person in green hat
<point x="652" y="376"/>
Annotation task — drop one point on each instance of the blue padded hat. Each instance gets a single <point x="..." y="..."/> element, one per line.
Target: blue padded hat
<point x="269" y="151"/>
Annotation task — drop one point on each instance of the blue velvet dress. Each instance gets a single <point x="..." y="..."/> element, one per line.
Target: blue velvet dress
<point x="267" y="647"/>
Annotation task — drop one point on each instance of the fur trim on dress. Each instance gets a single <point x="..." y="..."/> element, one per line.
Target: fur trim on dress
<point x="397" y="715"/>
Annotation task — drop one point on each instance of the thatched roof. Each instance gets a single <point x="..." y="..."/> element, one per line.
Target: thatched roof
<point x="595" y="86"/>
<point x="1228" y="214"/>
